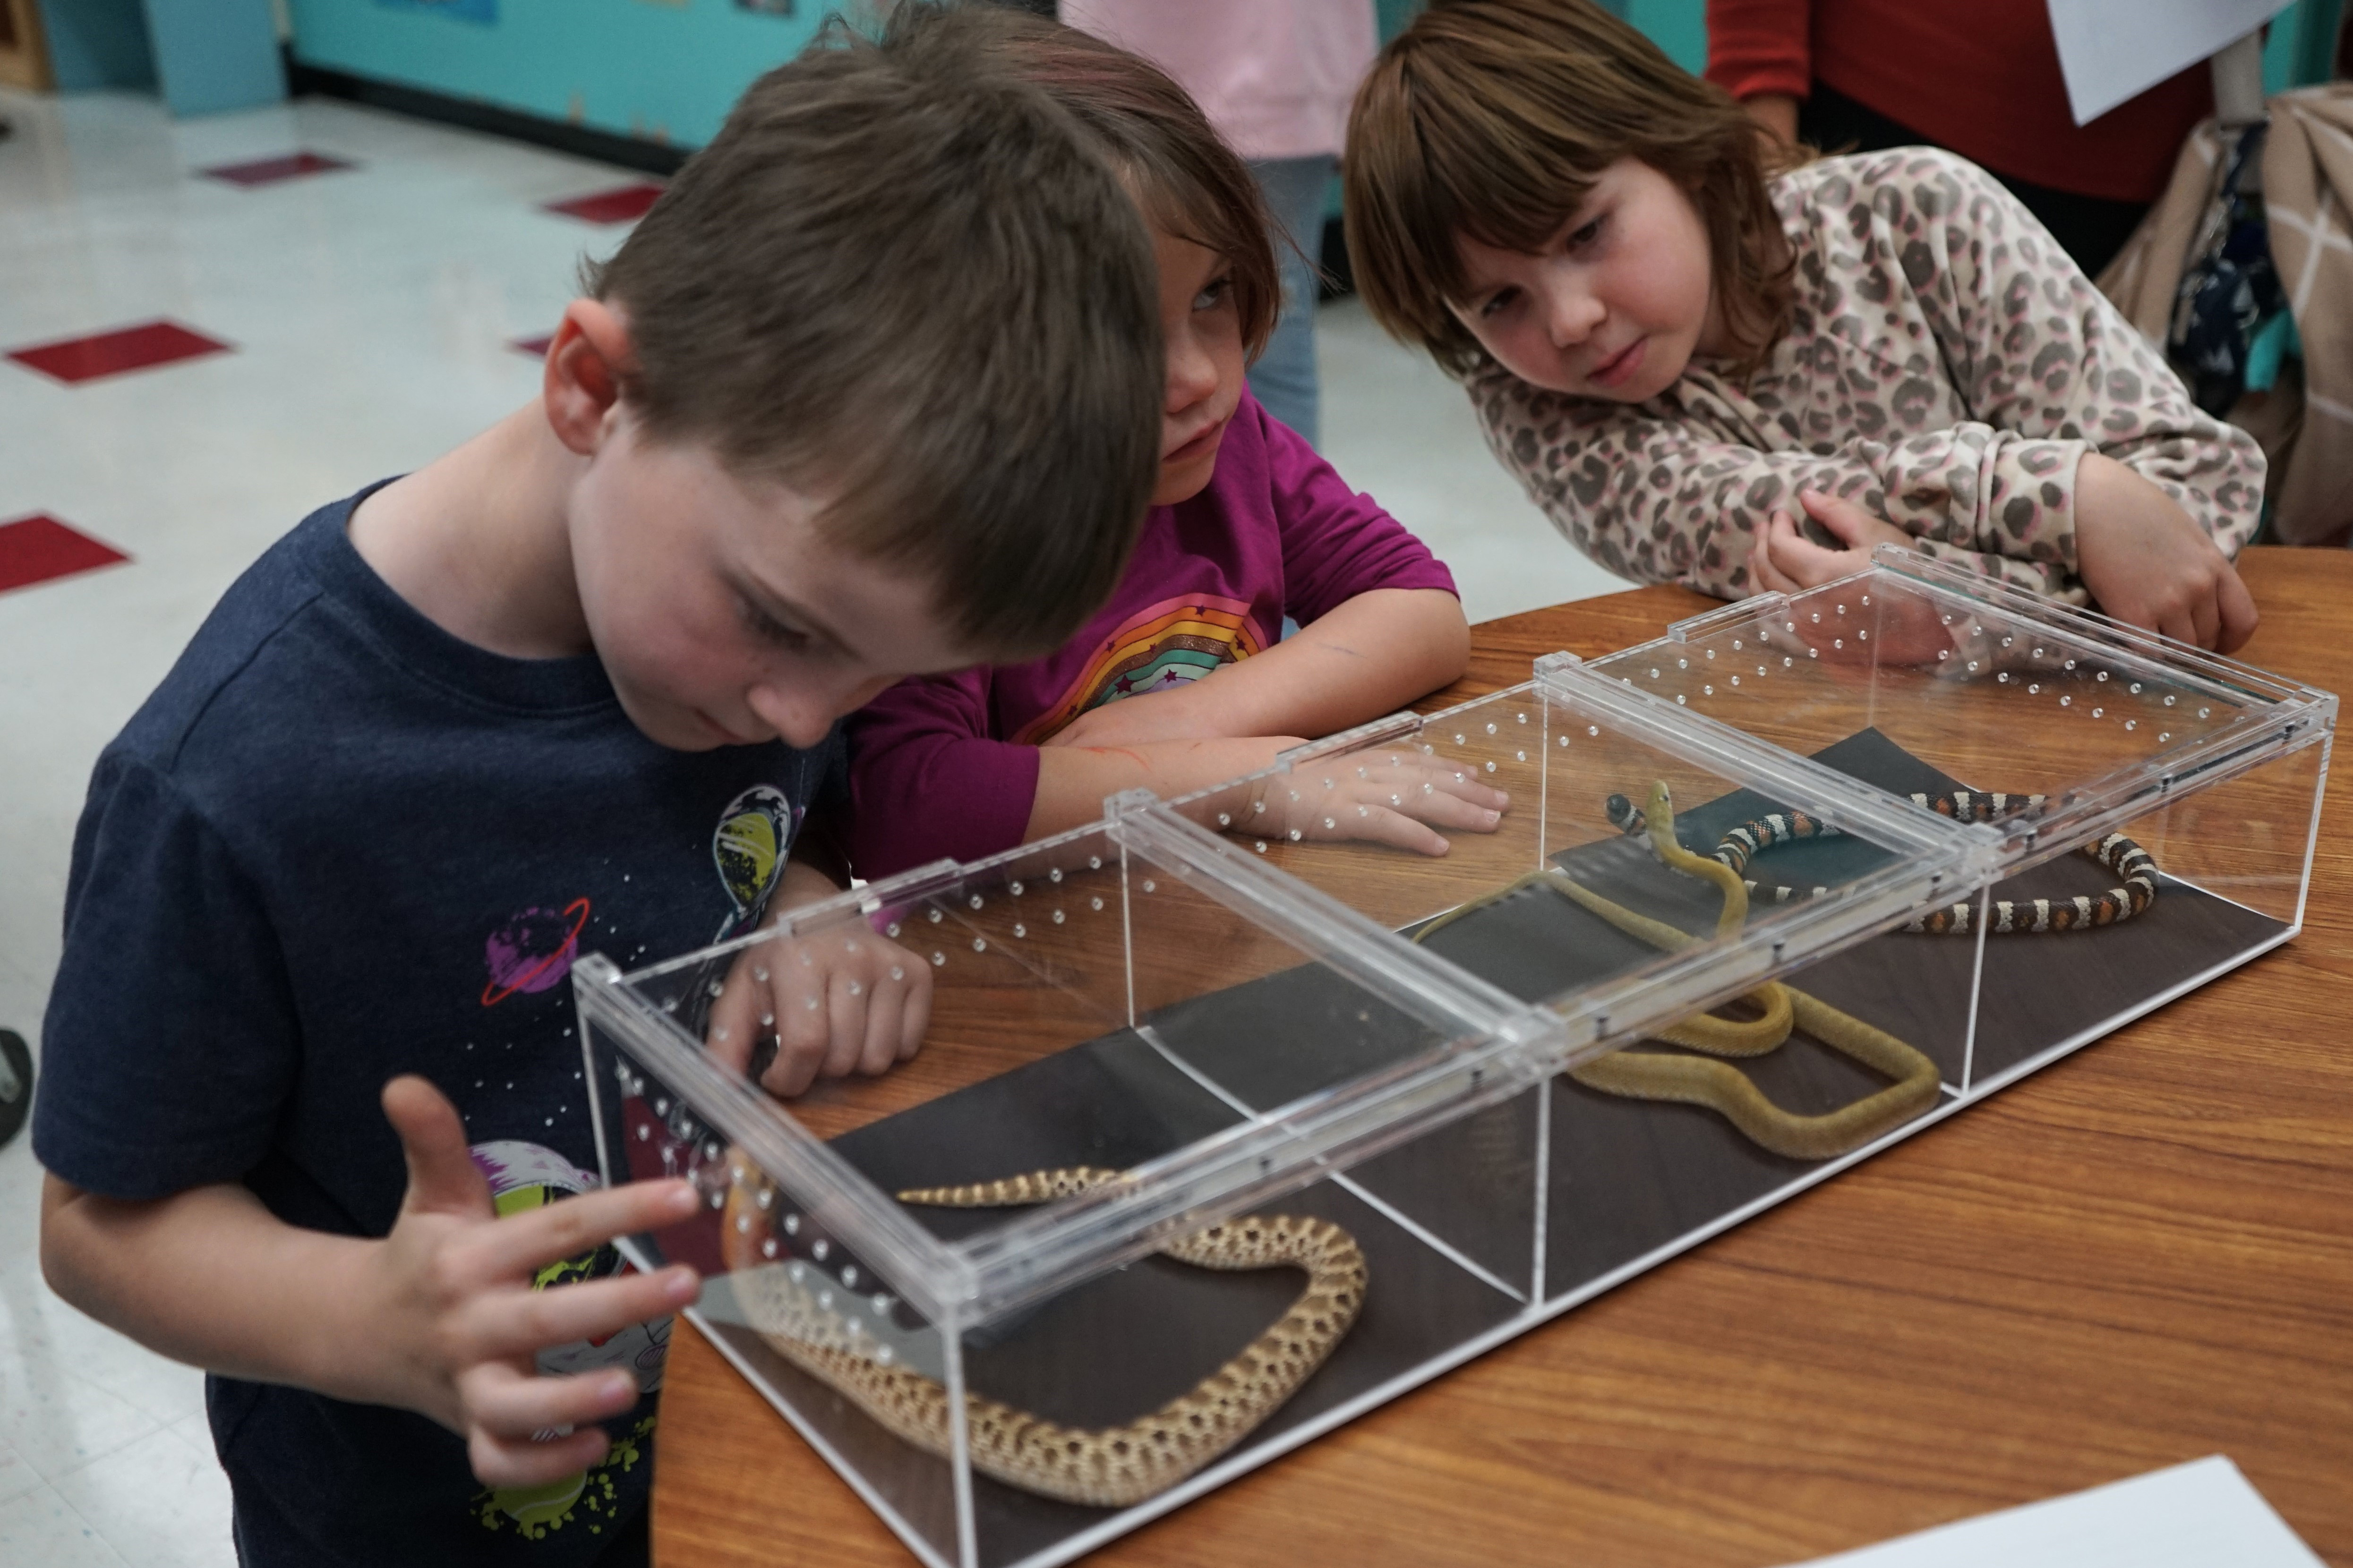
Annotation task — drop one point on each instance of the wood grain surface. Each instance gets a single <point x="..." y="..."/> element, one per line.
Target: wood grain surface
<point x="2138" y="1256"/>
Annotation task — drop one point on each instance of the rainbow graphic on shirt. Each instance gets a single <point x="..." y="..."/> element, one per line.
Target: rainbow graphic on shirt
<point x="1158" y="648"/>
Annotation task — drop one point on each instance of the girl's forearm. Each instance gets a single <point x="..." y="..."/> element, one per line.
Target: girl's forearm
<point x="211" y="1277"/>
<point x="1073" y="780"/>
<point x="1370" y="656"/>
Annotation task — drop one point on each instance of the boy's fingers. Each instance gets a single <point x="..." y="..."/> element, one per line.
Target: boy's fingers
<point x="733" y="1026"/>
<point x="525" y="1242"/>
<point x="507" y="1462"/>
<point x="442" y="1175"/>
<point x="879" y="1049"/>
<point x="511" y="1403"/>
<point x="915" y="1011"/>
<point x="794" y="1069"/>
<point x="802" y="1031"/>
<point x="846" y="999"/>
<point x="521" y="1322"/>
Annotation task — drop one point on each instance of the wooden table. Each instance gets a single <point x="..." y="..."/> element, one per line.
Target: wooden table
<point x="2139" y="1256"/>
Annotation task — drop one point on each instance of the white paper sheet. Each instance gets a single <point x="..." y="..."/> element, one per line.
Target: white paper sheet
<point x="2110" y="50"/>
<point x="2203" y="1514"/>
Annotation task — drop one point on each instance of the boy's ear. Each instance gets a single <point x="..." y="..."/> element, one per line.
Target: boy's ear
<point x="586" y="363"/>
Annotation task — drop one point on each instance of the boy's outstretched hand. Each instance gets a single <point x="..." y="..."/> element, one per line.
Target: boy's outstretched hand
<point x="841" y="1000"/>
<point x="451" y="1301"/>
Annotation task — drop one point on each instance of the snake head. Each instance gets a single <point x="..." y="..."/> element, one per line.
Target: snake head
<point x="1660" y="817"/>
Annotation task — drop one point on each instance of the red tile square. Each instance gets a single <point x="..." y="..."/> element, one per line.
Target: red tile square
<point x="38" y="549"/>
<point x="624" y="203"/>
<point x="536" y="347"/>
<point x="114" y="354"/>
<point x="269" y="171"/>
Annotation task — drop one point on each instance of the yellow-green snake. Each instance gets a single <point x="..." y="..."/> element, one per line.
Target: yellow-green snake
<point x="1698" y="1081"/>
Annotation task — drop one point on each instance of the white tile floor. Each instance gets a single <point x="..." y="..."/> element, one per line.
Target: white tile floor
<point x="371" y="312"/>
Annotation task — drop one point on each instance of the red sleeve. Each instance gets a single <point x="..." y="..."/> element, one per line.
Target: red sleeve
<point x="1336" y="543"/>
<point x="1760" y="46"/>
<point x="928" y="780"/>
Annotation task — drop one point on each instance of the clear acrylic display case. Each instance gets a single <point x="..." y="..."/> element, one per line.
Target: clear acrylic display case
<point x="1152" y="997"/>
<point x="1094" y="1006"/>
<point x="1922" y="679"/>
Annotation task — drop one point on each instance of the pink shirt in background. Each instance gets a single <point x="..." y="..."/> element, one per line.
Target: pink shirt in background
<point x="947" y="764"/>
<point x="1275" y="76"/>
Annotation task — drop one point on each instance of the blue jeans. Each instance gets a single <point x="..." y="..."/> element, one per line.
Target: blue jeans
<point x="1284" y="379"/>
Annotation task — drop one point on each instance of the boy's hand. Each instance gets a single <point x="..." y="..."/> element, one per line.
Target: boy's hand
<point x="1786" y="562"/>
<point x="2146" y="562"/>
<point x="1398" y="798"/>
<point x="451" y="1301"/>
<point x="839" y="1001"/>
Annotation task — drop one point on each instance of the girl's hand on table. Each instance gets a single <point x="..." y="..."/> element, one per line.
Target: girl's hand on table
<point x="1786" y="562"/>
<point x="1398" y="798"/>
<point x="2146" y="562"/>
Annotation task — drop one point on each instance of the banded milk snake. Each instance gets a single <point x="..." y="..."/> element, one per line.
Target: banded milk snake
<point x="2119" y="854"/>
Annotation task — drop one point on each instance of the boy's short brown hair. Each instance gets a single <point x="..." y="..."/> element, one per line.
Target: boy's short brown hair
<point x="1491" y="119"/>
<point x="905" y="282"/>
<point x="1191" y="183"/>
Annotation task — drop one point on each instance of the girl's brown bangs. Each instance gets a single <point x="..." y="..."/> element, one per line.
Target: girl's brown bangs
<point x="1190" y="205"/>
<point x="1504" y="174"/>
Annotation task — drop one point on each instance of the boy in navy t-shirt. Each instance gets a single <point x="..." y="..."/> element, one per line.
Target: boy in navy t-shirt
<point x="872" y="390"/>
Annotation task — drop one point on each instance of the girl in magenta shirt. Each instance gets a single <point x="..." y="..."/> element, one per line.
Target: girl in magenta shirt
<point x="1180" y="682"/>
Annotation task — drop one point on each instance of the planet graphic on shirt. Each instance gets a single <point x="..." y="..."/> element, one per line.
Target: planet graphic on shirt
<point x="534" y="951"/>
<point x="748" y="848"/>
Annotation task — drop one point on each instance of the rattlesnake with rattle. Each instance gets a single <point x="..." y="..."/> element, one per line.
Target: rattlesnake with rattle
<point x="1718" y="1086"/>
<point x="1109" y="1467"/>
<point x="2116" y="852"/>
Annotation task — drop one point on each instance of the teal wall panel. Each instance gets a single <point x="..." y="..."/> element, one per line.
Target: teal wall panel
<point x="1678" y="27"/>
<point x="216" y="55"/>
<point x="2301" y="47"/>
<point x="663" y="70"/>
<point x="97" y="44"/>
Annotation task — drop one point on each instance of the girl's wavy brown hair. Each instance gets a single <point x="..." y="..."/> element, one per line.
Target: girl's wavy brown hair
<point x="1493" y="118"/>
<point x="1189" y="182"/>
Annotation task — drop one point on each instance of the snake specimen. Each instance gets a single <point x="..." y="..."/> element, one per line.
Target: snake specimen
<point x="1109" y="1467"/>
<point x="2116" y="852"/>
<point x="1717" y="1085"/>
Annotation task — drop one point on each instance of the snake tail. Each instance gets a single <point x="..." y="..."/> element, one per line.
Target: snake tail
<point x="1105" y="1467"/>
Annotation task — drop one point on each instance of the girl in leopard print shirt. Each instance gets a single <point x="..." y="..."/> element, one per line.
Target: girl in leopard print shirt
<point x="1679" y="349"/>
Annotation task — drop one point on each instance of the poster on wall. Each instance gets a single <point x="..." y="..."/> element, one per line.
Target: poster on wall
<point x="485" y="11"/>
